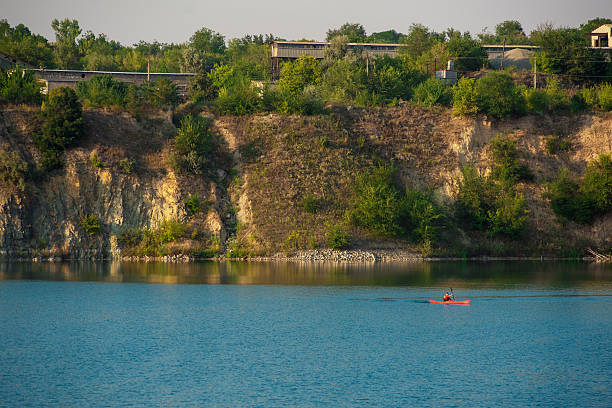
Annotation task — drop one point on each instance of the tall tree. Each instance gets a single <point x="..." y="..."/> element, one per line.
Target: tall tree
<point x="418" y="40"/>
<point x="355" y="32"/>
<point x="66" y="49"/>
<point x="19" y="42"/>
<point x="207" y="40"/>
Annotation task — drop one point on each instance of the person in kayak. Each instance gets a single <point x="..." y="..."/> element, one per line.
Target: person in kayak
<point x="447" y="297"/>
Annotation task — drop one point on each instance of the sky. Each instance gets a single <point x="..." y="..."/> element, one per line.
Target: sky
<point x="129" y="21"/>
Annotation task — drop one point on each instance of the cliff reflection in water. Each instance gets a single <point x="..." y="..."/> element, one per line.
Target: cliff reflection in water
<point x="456" y="274"/>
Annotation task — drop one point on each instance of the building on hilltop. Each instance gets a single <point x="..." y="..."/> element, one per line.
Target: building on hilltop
<point x="601" y="37"/>
<point x="289" y="50"/>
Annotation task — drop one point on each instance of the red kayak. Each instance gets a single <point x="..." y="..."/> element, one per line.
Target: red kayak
<point x="451" y="302"/>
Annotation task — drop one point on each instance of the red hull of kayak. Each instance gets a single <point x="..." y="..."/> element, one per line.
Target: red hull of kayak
<point x="451" y="302"/>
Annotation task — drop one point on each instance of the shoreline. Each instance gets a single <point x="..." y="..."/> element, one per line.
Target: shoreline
<point x="359" y="256"/>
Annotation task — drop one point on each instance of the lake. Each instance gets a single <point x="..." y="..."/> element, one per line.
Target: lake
<point x="307" y="335"/>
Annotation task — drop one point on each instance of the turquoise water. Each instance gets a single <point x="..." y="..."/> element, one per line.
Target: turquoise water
<point x="298" y="335"/>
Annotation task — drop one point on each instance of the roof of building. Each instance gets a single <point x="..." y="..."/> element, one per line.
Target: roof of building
<point x="605" y="28"/>
<point x="326" y="43"/>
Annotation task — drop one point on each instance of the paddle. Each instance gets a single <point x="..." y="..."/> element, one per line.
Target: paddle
<point x="452" y="294"/>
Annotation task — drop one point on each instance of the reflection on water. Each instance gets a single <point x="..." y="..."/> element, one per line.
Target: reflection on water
<point x="455" y="274"/>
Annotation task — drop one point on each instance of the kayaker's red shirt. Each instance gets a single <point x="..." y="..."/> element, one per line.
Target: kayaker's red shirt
<point x="447" y="298"/>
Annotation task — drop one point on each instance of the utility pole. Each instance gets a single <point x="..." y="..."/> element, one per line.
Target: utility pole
<point x="367" y="64"/>
<point x="535" y="73"/>
<point x="501" y="67"/>
<point x="148" y="69"/>
<point x="435" y="66"/>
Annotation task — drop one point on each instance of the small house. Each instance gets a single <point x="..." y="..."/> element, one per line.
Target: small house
<point x="602" y="37"/>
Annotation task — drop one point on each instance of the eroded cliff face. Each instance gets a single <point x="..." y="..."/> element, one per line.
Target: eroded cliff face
<point x="267" y="166"/>
<point x="45" y="219"/>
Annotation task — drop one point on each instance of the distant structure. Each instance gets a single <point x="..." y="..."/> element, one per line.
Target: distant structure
<point x="448" y="75"/>
<point x="601" y="37"/>
<point x="55" y="78"/>
<point x="289" y="50"/>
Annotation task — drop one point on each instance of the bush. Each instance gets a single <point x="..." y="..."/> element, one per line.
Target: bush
<point x="95" y="161"/>
<point x="193" y="204"/>
<point x="19" y="86"/>
<point x="392" y="78"/>
<point x="311" y="204"/>
<point x="604" y="97"/>
<point x="422" y="217"/>
<point x="338" y="237"/>
<point x="296" y="75"/>
<point x="497" y="96"/>
<point x="126" y="165"/>
<point x="538" y="101"/>
<point x="597" y="183"/>
<point x="506" y="167"/>
<point x="12" y="170"/>
<point x="556" y="144"/>
<point x="62" y="128"/>
<point x="433" y="92"/>
<point x="91" y="224"/>
<point x="240" y="99"/>
<point x="102" y="90"/>
<point x="566" y="202"/>
<point x="377" y="205"/>
<point x="476" y="198"/>
<point x="486" y="206"/>
<point x="193" y="142"/>
<point x="381" y="208"/>
<point x="464" y="97"/>
<point x="509" y="217"/>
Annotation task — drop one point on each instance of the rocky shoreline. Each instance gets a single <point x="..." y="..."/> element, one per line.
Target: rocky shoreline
<point x="315" y="256"/>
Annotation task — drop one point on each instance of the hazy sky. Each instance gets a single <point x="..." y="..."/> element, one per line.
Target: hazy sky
<point x="129" y="21"/>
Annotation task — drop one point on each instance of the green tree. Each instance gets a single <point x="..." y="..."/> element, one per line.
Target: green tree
<point x="208" y="41"/>
<point x="66" y="49"/>
<point x="18" y="86"/>
<point x="464" y="97"/>
<point x="467" y="52"/>
<point x="62" y="128"/>
<point x="296" y="75"/>
<point x="193" y="142"/>
<point x="597" y="183"/>
<point x="389" y="37"/>
<point x="563" y="51"/>
<point x="497" y="95"/>
<point x="355" y="32"/>
<point x="433" y="92"/>
<point x="19" y="42"/>
<point x="419" y="40"/>
<point x="511" y="31"/>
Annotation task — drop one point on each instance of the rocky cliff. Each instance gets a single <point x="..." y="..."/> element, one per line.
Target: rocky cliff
<point x="263" y="169"/>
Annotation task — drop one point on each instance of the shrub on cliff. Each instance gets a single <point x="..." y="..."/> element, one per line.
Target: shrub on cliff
<point x="19" y="86"/>
<point x="193" y="142"/>
<point x="433" y="92"/>
<point x="464" y="97"/>
<point x="90" y="224"/>
<point x="505" y="167"/>
<point x="377" y="204"/>
<point x="12" y="170"/>
<point x="496" y="95"/>
<point x="582" y="200"/>
<point x="380" y="207"/>
<point x="485" y="205"/>
<point x="102" y="90"/>
<point x="62" y="127"/>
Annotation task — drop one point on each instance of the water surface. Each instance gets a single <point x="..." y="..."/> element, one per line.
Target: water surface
<point x="250" y="334"/>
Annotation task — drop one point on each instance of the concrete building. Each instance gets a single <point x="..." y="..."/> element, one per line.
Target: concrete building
<point x="55" y="78"/>
<point x="601" y="37"/>
<point x="289" y="50"/>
